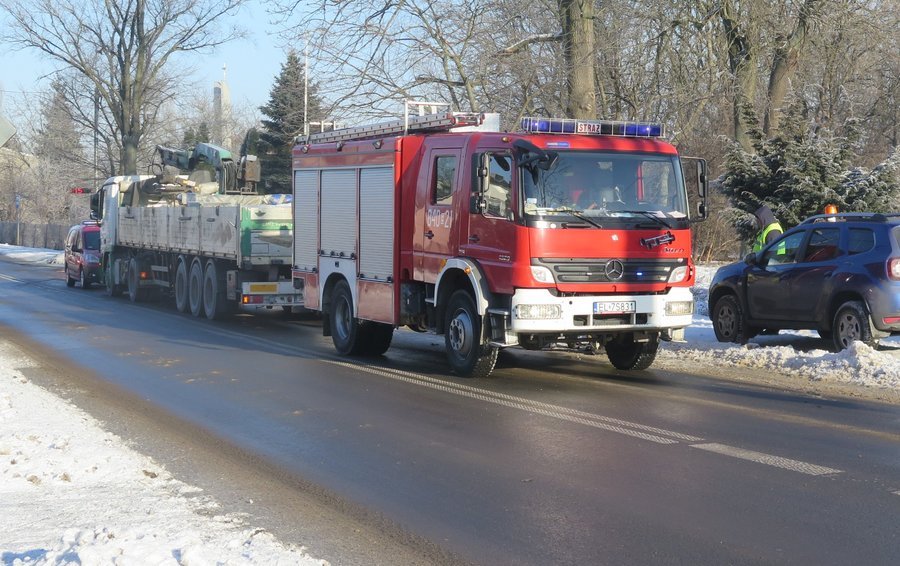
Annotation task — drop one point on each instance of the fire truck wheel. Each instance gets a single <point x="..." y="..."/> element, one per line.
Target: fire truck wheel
<point x="195" y="288"/>
<point x="135" y="293"/>
<point x="181" y="286"/>
<point x="345" y="329"/>
<point x="377" y="338"/>
<point x="626" y="354"/>
<point x="468" y="353"/>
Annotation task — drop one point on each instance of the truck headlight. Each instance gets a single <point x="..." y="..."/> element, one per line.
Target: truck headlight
<point x="541" y="274"/>
<point x="538" y="312"/>
<point x="679" y="308"/>
<point x="678" y="274"/>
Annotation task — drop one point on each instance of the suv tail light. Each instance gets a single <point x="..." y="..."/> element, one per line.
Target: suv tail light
<point x="893" y="268"/>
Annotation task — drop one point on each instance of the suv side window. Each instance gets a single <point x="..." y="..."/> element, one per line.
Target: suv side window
<point x="783" y="250"/>
<point x="823" y="245"/>
<point x="861" y="240"/>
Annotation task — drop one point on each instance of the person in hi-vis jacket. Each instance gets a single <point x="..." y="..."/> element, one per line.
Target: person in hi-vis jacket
<point x="769" y="228"/>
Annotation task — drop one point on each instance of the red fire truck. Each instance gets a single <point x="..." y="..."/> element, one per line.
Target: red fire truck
<point x="568" y="234"/>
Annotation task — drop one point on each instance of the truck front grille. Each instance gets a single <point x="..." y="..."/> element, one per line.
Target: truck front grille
<point x="581" y="270"/>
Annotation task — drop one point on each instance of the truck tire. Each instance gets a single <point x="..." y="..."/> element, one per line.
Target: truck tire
<point x="345" y="328"/>
<point x="135" y="293"/>
<point x="851" y="323"/>
<point x="195" y="288"/>
<point x="468" y="353"/>
<point x="376" y="338"/>
<point x="627" y="354"/>
<point x="112" y="289"/>
<point x="214" y="301"/>
<point x="182" y="289"/>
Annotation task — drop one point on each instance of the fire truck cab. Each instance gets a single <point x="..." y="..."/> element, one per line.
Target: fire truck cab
<point x="567" y="234"/>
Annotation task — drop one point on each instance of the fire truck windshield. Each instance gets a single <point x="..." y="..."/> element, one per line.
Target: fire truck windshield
<point x="606" y="187"/>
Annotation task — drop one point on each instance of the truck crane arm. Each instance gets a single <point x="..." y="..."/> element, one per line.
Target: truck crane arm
<point x="204" y="156"/>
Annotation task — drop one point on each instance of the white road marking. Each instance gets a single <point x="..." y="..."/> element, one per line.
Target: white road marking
<point x="636" y="430"/>
<point x="768" y="459"/>
<point x="627" y="428"/>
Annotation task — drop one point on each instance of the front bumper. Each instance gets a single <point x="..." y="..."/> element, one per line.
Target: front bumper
<point x="576" y="314"/>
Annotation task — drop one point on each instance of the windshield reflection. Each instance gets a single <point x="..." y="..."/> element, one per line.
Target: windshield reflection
<point x="607" y="185"/>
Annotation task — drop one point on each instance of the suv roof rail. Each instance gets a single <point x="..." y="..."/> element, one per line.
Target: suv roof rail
<point x="849" y="216"/>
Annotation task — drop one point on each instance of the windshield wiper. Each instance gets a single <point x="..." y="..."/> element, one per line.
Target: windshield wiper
<point x="579" y="215"/>
<point x="649" y="215"/>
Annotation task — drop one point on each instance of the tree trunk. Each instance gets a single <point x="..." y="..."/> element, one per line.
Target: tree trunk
<point x="578" y="48"/>
<point x="784" y="66"/>
<point x="742" y="63"/>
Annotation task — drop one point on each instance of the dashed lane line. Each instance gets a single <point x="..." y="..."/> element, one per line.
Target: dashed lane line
<point x="557" y="412"/>
<point x="768" y="459"/>
<point x="653" y="434"/>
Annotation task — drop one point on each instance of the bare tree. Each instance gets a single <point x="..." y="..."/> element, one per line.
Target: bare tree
<point x="122" y="49"/>
<point x="472" y="53"/>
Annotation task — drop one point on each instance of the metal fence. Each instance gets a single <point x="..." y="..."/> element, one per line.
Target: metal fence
<point x="49" y="236"/>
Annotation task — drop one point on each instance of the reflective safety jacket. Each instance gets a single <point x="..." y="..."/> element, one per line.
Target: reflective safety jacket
<point x="760" y="242"/>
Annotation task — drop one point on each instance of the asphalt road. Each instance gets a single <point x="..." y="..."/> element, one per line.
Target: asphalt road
<point x="555" y="459"/>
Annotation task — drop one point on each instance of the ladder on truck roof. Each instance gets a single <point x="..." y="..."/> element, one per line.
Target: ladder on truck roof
<point x="437" y="121"/>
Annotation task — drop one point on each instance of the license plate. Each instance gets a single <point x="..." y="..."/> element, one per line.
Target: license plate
<point x="615" y="307"/>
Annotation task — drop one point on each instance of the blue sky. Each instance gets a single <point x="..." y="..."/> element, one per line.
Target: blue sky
<point x="253" y="63"/>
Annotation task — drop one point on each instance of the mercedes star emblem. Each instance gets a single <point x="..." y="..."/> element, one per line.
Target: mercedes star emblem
<point x="614" y="270"/>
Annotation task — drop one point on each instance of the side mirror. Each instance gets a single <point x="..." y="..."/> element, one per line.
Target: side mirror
<point x="698" y="174"/>
<point x="702" y="181"/>
<point x="476" y="201"/>
<point x="750" y="258"/>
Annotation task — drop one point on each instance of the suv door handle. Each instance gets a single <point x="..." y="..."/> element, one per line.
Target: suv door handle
<point x="429" y="234"/>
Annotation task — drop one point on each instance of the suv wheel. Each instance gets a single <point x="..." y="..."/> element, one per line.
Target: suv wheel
<point x="728" y="321"/>
<point x="852" y="322"/>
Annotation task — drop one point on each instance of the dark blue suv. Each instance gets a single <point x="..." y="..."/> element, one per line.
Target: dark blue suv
<point x="838" y="274"/>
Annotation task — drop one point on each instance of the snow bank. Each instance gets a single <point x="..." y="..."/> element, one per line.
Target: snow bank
<point x="71" y="492"/>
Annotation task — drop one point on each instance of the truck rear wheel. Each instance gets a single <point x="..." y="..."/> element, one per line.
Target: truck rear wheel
<point x="626" y="353"/>
<point x="376" y="338"/>
<point x="468" y="353"/>
<point x="345" y="329"/>
<point x="182" y="299"/>
<point x="214" y="300"/>
<point x="195" y="288"/>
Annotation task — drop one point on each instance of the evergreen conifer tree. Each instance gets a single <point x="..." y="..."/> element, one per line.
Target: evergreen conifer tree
<point x="285" y="115"/>
<point x="799" y="171"/>
<point x="58" y="138"/>
<point x="194" y="136"/>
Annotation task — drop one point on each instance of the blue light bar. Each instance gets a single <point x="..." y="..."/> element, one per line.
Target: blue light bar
<point x="591" y="127"/>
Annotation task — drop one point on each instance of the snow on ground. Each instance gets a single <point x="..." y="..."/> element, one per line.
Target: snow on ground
<point x="72" y="493"/>
<point x="798" y="357"/>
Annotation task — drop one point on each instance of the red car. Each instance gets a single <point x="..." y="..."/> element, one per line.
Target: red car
<point x="83" y="254"/>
